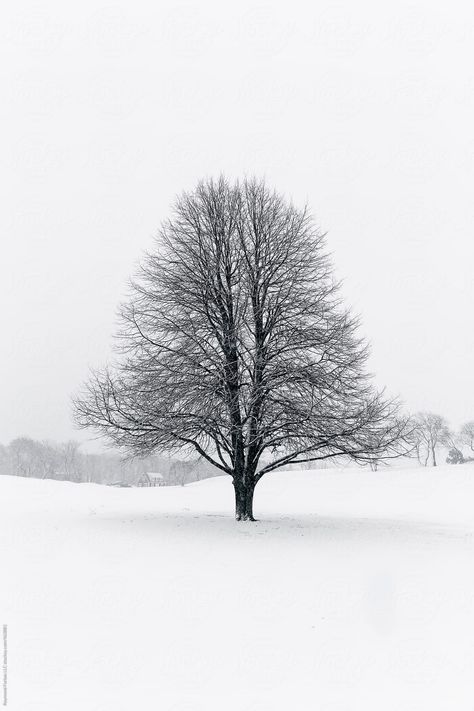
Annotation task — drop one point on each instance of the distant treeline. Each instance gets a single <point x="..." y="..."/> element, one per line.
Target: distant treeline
<point x="64" y="461"/>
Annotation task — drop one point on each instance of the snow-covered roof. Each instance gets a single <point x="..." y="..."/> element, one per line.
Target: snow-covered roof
<point x="155" y="475"/>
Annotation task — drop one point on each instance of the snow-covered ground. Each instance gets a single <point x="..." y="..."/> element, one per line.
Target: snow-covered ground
<point x="355" y="591"/>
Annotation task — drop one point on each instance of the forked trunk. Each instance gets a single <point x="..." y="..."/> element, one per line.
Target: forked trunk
<point x="244" y="500"/>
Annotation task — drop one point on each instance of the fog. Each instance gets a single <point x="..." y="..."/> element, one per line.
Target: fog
<point x="363" y="111"/>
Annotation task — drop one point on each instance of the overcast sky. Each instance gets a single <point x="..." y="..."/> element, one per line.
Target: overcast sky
<point x="365" y="110"/>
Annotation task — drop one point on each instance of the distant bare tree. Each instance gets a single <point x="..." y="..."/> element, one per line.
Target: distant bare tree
<point x="49" y="460"/>
<point x="467" y="435"/>
<point x="71" y="461"/>
<point x="181" y="472"/>
<point x="431" y="430"/>
<point x="234" y="344"/>
<point x="24" y="457"/>
<point x="90" y="467"/>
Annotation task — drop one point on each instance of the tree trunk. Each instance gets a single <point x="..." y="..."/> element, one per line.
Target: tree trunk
<point x="244" y="500"/>
<point x="434" y="456"/>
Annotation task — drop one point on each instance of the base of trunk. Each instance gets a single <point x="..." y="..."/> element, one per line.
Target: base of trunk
<point x="244" y="501"/>
<point x="244" y="517"/>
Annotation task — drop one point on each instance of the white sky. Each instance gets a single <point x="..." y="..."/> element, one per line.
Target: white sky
<point x="365" y="110"/>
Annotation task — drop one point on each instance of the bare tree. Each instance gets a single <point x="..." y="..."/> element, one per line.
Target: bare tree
<point x="234" y="344"/>
<point x="71" y="461"/>
<point x="49" y="460"/>
<point x="431" y="430"/>
<point x="181" y="472"/>
<point x="23" y="454"/>
<point x="466" y="435"/>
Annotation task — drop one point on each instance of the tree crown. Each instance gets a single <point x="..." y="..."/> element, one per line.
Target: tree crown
<point x="235" y="343"/>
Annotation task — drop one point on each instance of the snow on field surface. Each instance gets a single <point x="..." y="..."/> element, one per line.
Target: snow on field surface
<point x="353" y="591"/>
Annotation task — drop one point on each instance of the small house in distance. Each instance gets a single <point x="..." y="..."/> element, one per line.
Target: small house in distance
<point x="151" y="479"/>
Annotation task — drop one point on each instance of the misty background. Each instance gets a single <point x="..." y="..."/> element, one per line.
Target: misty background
<point x="109" y="110"/>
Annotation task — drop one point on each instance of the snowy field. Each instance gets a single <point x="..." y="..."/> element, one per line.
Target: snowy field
<point x="355" y="591"/>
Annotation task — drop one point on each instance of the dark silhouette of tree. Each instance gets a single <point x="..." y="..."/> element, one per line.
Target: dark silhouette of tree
<point x="453" y="442"/>
<point x="234" y="344"/>
<point x="455" y="456"/>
